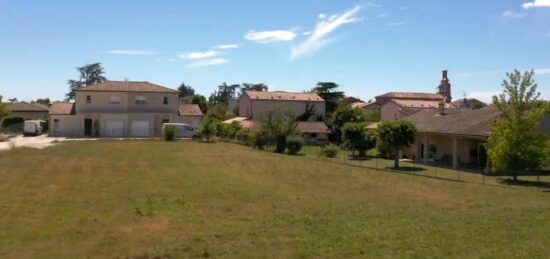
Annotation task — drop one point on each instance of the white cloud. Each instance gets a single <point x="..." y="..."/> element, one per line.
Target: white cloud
<point x="208" y="62"/>
<point x="199" y="55"/>
<point x="322" y="16"/>
<point x="130" y="52"/>
<point x="226" y="46"/>
<point x="513" y="15"/>
<point x="397" y="23"/>
<point x="324" y="27"/>
<point x="536" y="4"/>
<point x="270" y="36"/>
<point x="542" y="71"/>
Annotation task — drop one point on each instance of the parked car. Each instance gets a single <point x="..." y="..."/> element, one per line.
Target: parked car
<point x="182" y="130"/>
<point x="33" y="127"/>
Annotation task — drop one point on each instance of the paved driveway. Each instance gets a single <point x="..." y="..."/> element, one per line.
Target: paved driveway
<point x="39" y="142"/>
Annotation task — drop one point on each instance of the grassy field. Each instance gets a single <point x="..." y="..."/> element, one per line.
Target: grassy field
<point x="185" y="199"/>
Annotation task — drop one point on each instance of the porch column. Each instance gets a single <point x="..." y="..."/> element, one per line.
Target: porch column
<point x="455" y="153"/>
<point x="425" y="149"/>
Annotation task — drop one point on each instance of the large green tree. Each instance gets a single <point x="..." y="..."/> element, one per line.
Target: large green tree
<point x="185" y="90"/>
<point x="43" y="100"/>
<point x="4" y="112"/>
<point x="277" y="125"/>
<point x="355" y="137"/>
<point x="328" y="91"/>
<point x="253" y="87"/>
<point x="200" y="100"/>
<point x="516" y="142"/>
<point x="396" y="135"/>
<point x="342" y="115"/>
<point x="224" y="93"/>
<point x="89" y="74"/>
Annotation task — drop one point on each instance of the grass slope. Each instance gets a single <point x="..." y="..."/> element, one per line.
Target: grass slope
<point x="185" y="199"/>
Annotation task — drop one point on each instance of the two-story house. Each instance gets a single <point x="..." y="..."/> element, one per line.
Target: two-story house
<point x="254" y="104"/>
<point x="118" y="109"/>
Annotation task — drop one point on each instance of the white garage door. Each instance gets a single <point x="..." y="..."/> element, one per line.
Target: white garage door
<point x="114" y="128"/>
<point x="140" y="129"/>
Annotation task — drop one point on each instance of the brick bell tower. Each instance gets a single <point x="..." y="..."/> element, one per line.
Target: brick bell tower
<point x="445" y="87"/>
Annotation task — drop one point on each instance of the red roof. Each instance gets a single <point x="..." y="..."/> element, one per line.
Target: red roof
<point x="61" y="108"/>
<point x="127" y="86"/>
<point x="287" y="96"/>
<point x="190" y="110"/>
<point x="26" y="107"/>
<point x="410" y="95"/>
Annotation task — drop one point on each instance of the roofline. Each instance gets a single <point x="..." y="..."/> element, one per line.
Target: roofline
<point x="118" y="91"/>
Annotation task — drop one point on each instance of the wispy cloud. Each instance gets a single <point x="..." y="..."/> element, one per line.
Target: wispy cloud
<point x="208" y="62"/>
<point x="226" y="46"/>
<point x="130" y="52"/>
<point x="324" y="27"/>
<point x="270" y="36"/>
<point x="199" y="55"/>
<point x="397" y="23"/>
<point x="536" y="4"/>
<point x="512" y="15"/>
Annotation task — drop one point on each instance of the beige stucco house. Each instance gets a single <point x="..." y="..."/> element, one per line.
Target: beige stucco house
<point x="254" y="104"/>
<point x="119" y="109"/>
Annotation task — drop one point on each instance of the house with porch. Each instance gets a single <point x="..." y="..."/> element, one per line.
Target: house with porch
<point x="119" y="109"/>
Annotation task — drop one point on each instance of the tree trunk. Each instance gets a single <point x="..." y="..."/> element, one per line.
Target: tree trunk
<point x="396" y="161"/>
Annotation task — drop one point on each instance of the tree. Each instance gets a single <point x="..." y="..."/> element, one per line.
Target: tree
<point x="253" y="87"/>
<point x="356" y="138"/>
<point x="217" y="111"/>
<point x="516" y="142"/>
<point x="278" y="125"/>
<point x="396" y="135"/>
<point x="200" y="100"/>
<point x="224" y="93"/>
<point x="12" y="100"/>
<point x="4" y="112"/>
<point x="342" y="115"/>
<point x="90" y="74"/>
<point x="185" y="90"/>
<point x="208" y="128"/>
<point x="327" y="91"/>
<point x="43" y="101"/>
<point x="308" y="113"/>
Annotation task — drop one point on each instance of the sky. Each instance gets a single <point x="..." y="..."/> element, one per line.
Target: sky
<point x="367" y="47"/>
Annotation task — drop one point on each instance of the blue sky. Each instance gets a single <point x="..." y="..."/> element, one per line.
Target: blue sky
<point x="366" y="47"/>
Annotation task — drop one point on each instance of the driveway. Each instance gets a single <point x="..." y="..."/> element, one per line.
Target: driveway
<point x="41" y="141"/>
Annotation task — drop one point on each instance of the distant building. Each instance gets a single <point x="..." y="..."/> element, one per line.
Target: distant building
<point x="468" y="103"/>
<point x="29" y="111"/>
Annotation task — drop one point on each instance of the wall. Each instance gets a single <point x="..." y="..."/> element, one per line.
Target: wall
<point x="100" y="102"/>
<point x="260" y="107"/>
<point x="389" y="111"/>
<point x="444" y="146"/>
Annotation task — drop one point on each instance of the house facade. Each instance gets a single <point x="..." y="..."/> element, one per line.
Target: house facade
<point x="116" y="109"/>
<point x="28" y="111"/>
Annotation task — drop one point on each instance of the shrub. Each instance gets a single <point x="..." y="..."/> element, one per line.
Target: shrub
<point x="329" y="151"/>
<point x="258" y="140"/>
<point x="209" y="128"/>
<point x="294" y="144"/>
<point x="170" y="132"/>
<point x="243" y="137"/>
<point x="9" y="121"/>
<point x="45" y="125"/>
<point x="280" y="144"/>
<point x="356" y="138"/>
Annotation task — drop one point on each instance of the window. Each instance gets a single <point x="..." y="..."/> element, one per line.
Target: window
<point x="165" y="121"/>
<point x="88" y="99"/>
<point x="140" y="100"/>
<point x="56" y="124"/>
<point x="165" y="100"/>
<point x="114" y="99"/>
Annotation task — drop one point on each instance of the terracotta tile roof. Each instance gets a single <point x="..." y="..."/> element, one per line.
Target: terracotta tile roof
<point x="62" y="108"/>
<point x="287" y="96"/>
<point x="190" y="110"/>
<point x="127" y="86"/>
<point x="455" y="121"/>
<point x="312" y="127"/>
<point x="419" y="103"/>
<point x="464" y="102"/>
<point x="363" y="104"/>
<point x="26" y="107"/>
<point x="410" y="95"/>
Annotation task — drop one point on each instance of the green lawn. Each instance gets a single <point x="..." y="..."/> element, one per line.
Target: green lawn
<point x="187" y="199"/>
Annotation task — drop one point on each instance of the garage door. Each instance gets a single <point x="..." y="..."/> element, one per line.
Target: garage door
<point x="140" y="129"/>
<point x="114" y="128"/>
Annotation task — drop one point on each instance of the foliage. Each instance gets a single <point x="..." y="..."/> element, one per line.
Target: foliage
<point x="258" y="140"/>
<point x="12" y="100"/>
<point x="328" y="91"/>
<point x="208" y="128"/>
<point x="217" y="111"/>
<point x="478" y="105"/>
<point x="89" y="74"/>
<point x="224" y="93"/>
<point x="9" y="121"/>
<point x="345" y="114"/>
<point x="253" y="87"/>
<point x="383" y="150"/>
<point x="4" y="112"/>
<point x="185" y="90"/>
<point x="329" y="151"/>
<point x="294" y="144"/>
<point x="396" y="135"/>
<point x="280" y="143"/>
<point x="43" y="101"/>
<point x="243" y="137"/>
<point x="308" y="113"/>
<point x="372" y="115"/>
<point x="229" y="130"/>
<point x="169" y="132"/>
<point x="356" y="138"/>
<point x="278" y="123"/>
<point x="516" y="142"/>
<point x="200" y="100"/>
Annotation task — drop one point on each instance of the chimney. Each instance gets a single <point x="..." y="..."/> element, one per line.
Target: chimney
<point x="445" y="87"/>
<point x="444" y="74"/>
<point x="441" y="108"/>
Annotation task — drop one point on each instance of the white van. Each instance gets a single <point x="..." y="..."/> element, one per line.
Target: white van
<point x="32" y="127"/>
<point x="182" y="130"/>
